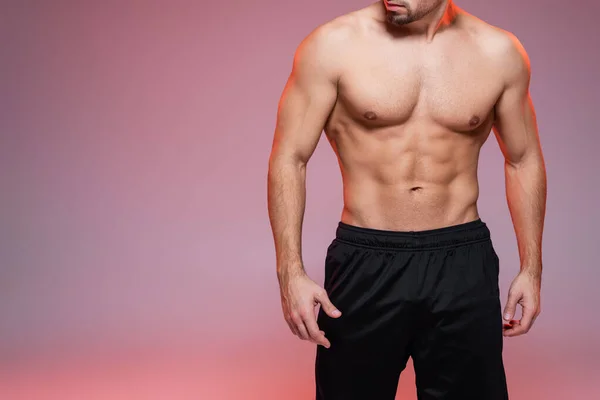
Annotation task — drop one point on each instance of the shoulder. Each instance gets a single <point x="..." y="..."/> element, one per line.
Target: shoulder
<point x="327" y="45"/>
<point x="504" y="50"/>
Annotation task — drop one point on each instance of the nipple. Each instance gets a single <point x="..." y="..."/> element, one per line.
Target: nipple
<point x="370" y="115"/>
<point x="474" y="121"/>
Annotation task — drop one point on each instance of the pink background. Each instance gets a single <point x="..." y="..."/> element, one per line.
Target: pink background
<point x="136" y="255"/>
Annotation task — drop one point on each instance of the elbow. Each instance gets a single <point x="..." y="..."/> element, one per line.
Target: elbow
<point x="286" y="160"/>
<point x="514" y="164"/>
<point x="530" y="168"/>
<point x="527" y="158"/>
<point x="285" y="164"/>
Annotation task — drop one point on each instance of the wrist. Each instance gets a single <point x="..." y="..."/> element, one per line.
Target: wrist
<point x="533" y="269"/>
<point x="290" y="270"/>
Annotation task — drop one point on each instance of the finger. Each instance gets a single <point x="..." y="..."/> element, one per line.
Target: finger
<point x="508" y="325"/>
<point x="302" y="332"/>
<point x="292" y="326"/>
<point x="327" y="305"/>
<point x="511" y="306"/>
<point x="516" y="330"/>
<point x="527" y="318"/>
<point x="511" y="328"/>
<point x="313" y="330"/>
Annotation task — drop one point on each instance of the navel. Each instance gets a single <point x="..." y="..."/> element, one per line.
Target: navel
<point x="370" y="115"/>
<point x="474" y="121"/>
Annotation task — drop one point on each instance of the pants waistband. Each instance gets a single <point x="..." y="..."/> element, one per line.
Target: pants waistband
<point x="468" y="232"/>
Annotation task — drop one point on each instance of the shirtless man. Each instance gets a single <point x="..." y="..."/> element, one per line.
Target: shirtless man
<point x="407" y="92"/>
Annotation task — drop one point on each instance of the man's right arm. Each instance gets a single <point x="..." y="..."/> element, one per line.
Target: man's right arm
<point x="306" y="103"/>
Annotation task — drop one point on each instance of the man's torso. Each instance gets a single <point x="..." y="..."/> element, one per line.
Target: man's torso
<point x="410" y="119"/>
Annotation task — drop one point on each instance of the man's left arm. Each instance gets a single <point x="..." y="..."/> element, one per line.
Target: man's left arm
<point x="516" y="130"/>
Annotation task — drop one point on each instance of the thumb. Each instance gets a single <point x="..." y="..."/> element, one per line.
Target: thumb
<point x="511" y="307"/>
<point x="327" y="306"/>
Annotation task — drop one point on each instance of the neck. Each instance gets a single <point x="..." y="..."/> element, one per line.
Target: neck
<point x="436" y="20"/>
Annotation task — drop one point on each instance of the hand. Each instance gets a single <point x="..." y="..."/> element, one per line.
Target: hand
<point x="299" y="296"/>
<point x="524" y="290"/>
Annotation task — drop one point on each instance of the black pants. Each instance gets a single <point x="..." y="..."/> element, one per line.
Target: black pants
<point x="430" y="295"/>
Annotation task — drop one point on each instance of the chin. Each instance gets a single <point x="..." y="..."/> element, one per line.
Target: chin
<point x="399" y="20"/>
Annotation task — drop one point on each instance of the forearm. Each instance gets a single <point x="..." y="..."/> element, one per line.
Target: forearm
<point x="526" y="196"/>
<point x="286" y="204"/>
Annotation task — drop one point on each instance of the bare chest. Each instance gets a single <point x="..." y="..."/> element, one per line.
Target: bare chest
<point x="455" y="88"/>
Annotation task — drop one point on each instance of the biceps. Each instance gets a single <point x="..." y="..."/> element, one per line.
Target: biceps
<point x="516" y="128"/>
<point x="303" y="111"/>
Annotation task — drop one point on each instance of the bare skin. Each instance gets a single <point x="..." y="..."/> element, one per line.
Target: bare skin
<point x="406" y="109"/>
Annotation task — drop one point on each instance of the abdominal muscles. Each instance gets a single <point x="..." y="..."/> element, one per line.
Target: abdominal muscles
<point x="412" y="177"/>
